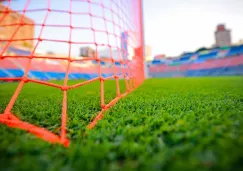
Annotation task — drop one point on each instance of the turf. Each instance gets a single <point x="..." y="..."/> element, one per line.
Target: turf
<point x="166" y="124"/>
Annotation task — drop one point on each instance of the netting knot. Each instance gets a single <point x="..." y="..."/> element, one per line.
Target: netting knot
<point x="102" y="79"/>
<point x="7" y="11"/>
<point x="31" y="57"/>
<point x="25" y="79"/>
<point x="64" y="88"/>
<point x="104" y="107"/>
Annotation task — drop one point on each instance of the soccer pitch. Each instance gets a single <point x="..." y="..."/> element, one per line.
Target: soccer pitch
<point x="170" y="124"/>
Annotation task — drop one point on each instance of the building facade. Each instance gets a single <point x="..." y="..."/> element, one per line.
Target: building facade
<point x="222" y="36"/>
<point x="107" y="53"/>
<point x="87" y="52"/>
<point x="10" y="23"/>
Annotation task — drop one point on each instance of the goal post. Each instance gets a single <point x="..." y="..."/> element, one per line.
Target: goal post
<point x="86" y="40"/>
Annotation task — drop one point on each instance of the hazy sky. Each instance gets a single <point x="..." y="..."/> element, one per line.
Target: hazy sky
<point x="171" y="26"/>
<point x="174" y="26"/>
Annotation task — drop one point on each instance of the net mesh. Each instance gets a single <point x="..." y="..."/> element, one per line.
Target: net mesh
<point x="90" y="40"/>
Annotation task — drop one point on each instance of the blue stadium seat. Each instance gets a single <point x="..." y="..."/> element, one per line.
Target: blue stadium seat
<point x="71" y="76"/>
<point x="210" y="55"/>
<point x="78" y="75"/>
<point x="61" y="75"/>
<point x="90" y="76"/>
<point x="102" y="63"/>
<point x="38" y="75"/>
<point x="185" y="58"/>
<point x="16" y="72"/>
<point x="222" y="71"/>
<point x="241" y="49"/>
<point x="156" y="62"/>
<point x="199" y="61"/>
<point x="106" y="75"/>
<point x="236" y="50"/>
<point x="117" y="63"/>
<point x="56" y="75"/>
<point x="3" y="74"/>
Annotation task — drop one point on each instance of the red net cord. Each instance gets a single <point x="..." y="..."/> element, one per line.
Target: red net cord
<point x="122" y="21"/>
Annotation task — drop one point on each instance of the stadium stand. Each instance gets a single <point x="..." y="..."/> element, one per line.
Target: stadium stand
<point x="47" y="69"/>
<point x="213" y="62"/>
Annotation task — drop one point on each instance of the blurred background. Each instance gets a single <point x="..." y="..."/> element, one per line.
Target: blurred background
<point x="183" y="38"/>
<point x="194" y="38"/>
<point x="51" y="32"/>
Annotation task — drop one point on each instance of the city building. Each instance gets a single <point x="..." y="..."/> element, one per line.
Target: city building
<point x="106" y="53"/>
<point x="11" y="23"/>
<point x="222" y="36"/>
<point x="87" y="52"/>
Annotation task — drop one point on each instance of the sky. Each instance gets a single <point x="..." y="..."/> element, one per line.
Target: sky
<point x="171" y="27"/>
<point x="174" y="26"/>
<point x="37" y="11"/>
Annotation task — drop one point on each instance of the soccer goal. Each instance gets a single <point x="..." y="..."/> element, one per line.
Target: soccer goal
<point x="49" y="41"/>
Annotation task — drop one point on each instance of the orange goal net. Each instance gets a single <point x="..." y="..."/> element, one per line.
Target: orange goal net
<point x="86" y="40"/>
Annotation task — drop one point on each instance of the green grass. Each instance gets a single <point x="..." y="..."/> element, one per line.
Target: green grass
<point x="166" y="124"/>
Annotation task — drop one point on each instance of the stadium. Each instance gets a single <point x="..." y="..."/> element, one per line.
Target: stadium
<point x="78" y="93"/>
<point x="225" y="61"/>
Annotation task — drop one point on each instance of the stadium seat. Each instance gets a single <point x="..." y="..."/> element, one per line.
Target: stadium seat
<point x="16" y="72"/>
<point x="38" y="75"/>
<point x="3" y="74"/>
<point x="208" y="56"/>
